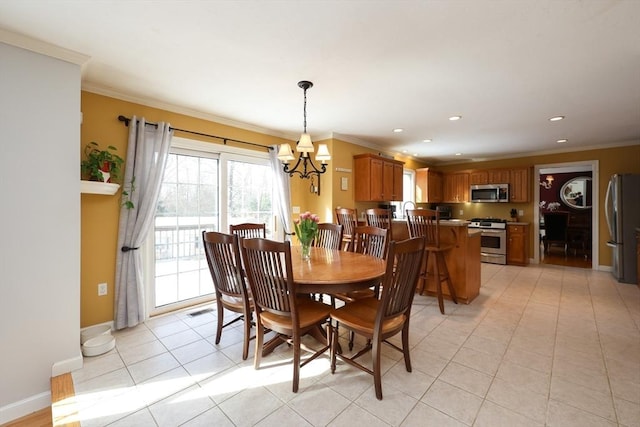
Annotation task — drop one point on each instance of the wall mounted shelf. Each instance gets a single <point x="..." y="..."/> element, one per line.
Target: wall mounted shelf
<point x="95" y="187"/>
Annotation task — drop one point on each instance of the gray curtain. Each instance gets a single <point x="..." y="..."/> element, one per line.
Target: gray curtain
<point x="283" y="193"/>
<point x="146" y="158"/>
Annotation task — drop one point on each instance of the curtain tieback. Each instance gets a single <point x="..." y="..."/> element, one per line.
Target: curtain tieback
<point x="127" y="249"/>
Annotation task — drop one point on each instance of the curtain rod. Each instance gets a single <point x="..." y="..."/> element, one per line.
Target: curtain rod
<point x="126" y="121"/>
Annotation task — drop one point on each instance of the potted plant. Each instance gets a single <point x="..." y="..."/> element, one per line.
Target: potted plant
<point x="101" y="165"/>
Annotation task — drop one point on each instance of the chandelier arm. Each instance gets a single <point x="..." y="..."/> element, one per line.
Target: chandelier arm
<point x="307" y="167"/>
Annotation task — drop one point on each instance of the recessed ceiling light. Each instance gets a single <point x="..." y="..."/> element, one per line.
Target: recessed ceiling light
<point x="556" y="118"/>
<point x="398" y="130"/>
<point x="426" y="140"/>
<point x="415" y="154"/>
<point x="404" y="151"/>
<point x="458" y="154"/>
<point x="562" y="141"/>
<point x="454" y="118"/>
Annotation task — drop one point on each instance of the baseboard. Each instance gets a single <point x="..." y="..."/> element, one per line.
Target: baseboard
<point x="68" y="365"/>
<point x="24" y="407"/>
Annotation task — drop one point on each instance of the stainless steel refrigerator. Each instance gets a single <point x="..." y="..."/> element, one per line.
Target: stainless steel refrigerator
<point x="622" y="211"/>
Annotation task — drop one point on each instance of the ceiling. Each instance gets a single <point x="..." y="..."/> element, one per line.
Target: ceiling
<point x="505" y="66"/>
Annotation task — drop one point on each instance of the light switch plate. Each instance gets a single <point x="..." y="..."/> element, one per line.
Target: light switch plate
<point x="344" y="183"/>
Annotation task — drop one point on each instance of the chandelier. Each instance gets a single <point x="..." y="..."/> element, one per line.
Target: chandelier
<point x="304" y="166"/>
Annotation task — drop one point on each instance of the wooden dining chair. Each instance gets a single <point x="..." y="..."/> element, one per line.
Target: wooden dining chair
<point x="367" y="240"/>
<point x="278" y="307"/>
<point x="223" y="257"/>
<point x="426" y="222"/>
<point x="329" y="236"/>
<point x="380" y="319"/>
<point x="382" y="218"/>
<point x="348" y="219"/>
<point x="249" y="230"/>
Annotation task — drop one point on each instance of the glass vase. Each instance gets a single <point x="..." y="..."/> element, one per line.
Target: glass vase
<point x="306" y="250"/>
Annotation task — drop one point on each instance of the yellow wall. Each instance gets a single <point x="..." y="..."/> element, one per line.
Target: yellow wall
<point x="100" y="214"/>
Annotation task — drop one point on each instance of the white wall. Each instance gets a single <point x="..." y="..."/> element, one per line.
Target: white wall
<point x="40" y="220"/>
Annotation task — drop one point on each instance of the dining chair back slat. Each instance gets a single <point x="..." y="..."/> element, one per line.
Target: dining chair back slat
<point x="371" y="240"/>
<point x="378" y="217"/>
<point x="249" y="230"/>
<point x="329" y="236"/>
<point x="348" y="219"/>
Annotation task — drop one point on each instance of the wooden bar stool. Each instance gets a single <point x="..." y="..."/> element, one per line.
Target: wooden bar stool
<point x="426" y="222"/>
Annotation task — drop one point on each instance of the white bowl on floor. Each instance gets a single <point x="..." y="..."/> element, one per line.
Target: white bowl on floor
<point x="93" y="332"/>
<point x="98" y="345"/>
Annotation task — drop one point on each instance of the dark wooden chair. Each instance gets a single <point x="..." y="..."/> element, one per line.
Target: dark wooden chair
<point x="556" y="225"/>
<point x="367" y="240"/>
<point x="277" y="305"/>
<point x="223" y="256"/>
<point x="382" y="218"/>
<point x="348" y="219"/>
<point x="380" y="319"/>
<point x="426" y="223"/>
<point x="329" y="236"/>
<point x="249" y="230"/>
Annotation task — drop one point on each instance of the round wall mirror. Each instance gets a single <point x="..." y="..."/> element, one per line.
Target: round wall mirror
<point x="577" y="193"/>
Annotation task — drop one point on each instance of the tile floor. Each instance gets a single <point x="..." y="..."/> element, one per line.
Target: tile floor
<point x="540" y="346"/>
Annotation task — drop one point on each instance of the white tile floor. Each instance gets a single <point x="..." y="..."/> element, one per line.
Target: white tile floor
<point x="541" y="345"/>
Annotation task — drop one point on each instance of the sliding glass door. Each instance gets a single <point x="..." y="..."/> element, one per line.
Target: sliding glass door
<point x="201" y="190"/>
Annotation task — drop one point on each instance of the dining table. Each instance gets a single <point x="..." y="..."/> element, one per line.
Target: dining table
<point x="330" y="271"/>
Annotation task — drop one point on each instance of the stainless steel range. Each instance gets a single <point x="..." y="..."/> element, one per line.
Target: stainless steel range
<point x="493" y="240"/>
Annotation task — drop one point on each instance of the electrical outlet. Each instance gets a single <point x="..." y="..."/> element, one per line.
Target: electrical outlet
<point x="295" y="209"/>
<point x="521" y="212"/>
<point x="102" y="289"/>
<point x="461" y="212"/>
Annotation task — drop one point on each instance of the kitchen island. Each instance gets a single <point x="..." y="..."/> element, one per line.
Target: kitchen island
<point x="463" y="260"/>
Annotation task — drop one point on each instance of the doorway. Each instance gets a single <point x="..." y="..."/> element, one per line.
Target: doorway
<point x="568" y="199"/>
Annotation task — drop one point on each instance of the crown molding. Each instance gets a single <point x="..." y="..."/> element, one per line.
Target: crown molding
<point x="603" y="146"/>
<point x="42" y="47"/>
<point x="154" y="103"/>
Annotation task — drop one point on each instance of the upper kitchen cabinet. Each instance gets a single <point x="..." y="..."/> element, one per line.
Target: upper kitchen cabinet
<point x="519" y="183"/>
<point x="489" y="176"/>
<point x="428" y="186"/>
<point x="478" y="178"/>
<point x="498" y="176"/>
<point x="377" y="179"/>
<point x="456" y="187"/>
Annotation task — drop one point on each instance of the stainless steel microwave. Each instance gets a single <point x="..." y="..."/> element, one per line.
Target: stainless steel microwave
<point x="489" y="193"/>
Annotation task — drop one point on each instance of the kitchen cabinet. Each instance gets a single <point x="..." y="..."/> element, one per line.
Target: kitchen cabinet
<point x="478" y="178"/>
<point x="489" y="176"/>
<point x="377" y="179"/>
<point x="517" y="244"/>
<point x="428" y="186"/>
<point x="519" y="183"/>
<point x="498" y="176"/>
<point x="456" y="187"/>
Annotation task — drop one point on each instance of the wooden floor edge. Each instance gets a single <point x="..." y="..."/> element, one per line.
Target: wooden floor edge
<point x="64" y="410"/>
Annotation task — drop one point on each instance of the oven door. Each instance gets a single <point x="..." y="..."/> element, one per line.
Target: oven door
<point x="493" y="241"/>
